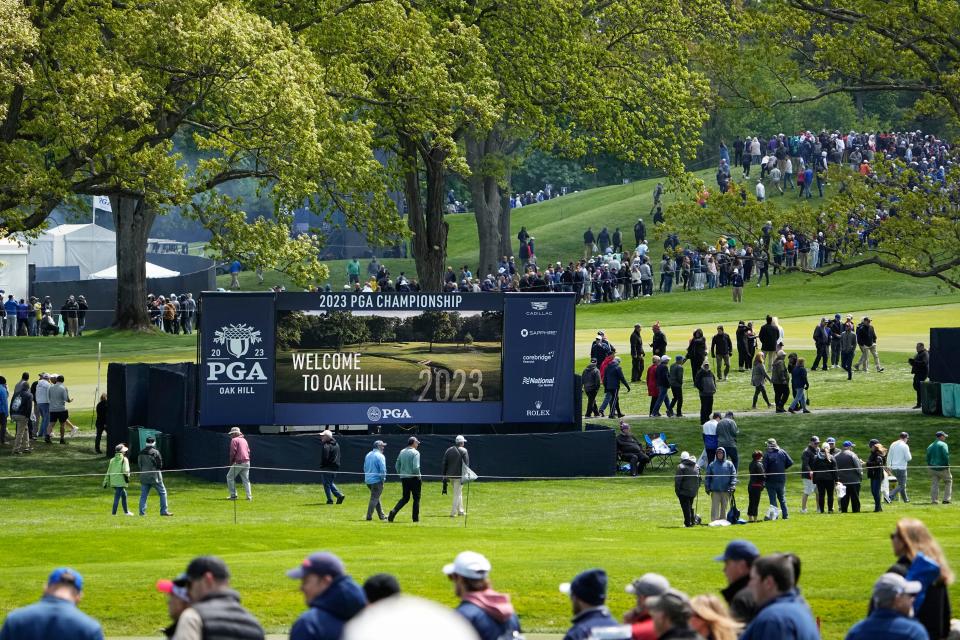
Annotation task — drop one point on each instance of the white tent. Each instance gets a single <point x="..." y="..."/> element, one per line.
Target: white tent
<point x="14" y="275"/>
<point x="153" y="271"/>
<point x="88" y="246"/>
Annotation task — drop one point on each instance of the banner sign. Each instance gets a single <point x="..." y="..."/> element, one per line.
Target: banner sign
<point x="373" y="358"/>
<point x="236" y="355"/>
<point x="538" y="358"/>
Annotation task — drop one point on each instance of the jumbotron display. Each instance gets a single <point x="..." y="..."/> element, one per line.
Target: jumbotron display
<point x="363" y="358"/>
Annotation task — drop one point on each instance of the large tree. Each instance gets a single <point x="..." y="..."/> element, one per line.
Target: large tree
<point x="418" y="75"/>
<point x="585" y="76"/>
<point x="113" y="83"/>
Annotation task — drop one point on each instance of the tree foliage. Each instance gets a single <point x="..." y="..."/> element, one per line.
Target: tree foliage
<point x="113" y="83"/>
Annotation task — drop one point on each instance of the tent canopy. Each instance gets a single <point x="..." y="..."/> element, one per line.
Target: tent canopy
<point x="89" y="246"/>
<point x="153" y="271"/>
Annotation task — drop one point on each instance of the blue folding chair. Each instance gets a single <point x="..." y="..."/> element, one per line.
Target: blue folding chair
<point x="660" y="457"/>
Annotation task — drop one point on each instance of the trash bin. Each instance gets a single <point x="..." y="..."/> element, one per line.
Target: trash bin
<point x="137" y="440"/>
<point x="949" y="398"/>
<point x="930" y="398"/>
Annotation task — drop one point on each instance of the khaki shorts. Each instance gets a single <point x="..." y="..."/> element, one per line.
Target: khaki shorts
<point x="809" y="488"/>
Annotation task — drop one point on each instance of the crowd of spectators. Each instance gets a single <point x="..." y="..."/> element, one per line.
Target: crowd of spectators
<point x="760" y="600"/>
<point x="32" y="316"/>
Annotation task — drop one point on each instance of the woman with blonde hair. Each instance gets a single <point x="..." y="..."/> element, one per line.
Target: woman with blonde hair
<point x="910" y="539"/>
<point x="712" y="620"/>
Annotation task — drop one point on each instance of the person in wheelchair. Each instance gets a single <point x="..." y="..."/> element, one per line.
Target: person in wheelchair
<point x="630" y="450"/>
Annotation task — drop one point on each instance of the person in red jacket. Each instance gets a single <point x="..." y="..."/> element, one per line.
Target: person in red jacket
<point x="652" y="390"/>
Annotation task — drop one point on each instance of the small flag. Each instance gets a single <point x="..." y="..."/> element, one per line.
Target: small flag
<point x="102" y="203"/>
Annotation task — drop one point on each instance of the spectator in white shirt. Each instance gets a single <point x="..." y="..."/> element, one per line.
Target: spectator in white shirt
<point x="898" y="456"/>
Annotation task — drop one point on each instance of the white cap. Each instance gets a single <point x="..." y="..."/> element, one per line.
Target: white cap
<point x="468" y="564"/>
<point x="326" y="433"/>
<point x="460" y="440"/>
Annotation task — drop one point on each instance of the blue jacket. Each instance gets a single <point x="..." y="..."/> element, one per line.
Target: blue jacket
<point x="721" y="476"/>
<point x="585" y="621"/>
<point x="50" y="618"/>
<point x="374" y="467"/>
<point x="486" y="626"/>
<point x="776" y="462"/>
<point x="4" y="401"/>
<point x="11" y="307"/>
<point x="330" y="611"/>
<point x="887" y="624"/>
<point x="783" y="618"/>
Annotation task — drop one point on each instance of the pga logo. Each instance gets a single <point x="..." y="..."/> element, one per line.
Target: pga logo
<point x="376" y="414"/>
<point x="236" y="338"/>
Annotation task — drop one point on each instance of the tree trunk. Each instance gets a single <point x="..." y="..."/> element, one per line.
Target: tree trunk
<point x="491" y="196"/>
<point x="425" y="216"/>
<point x="485" y="194"/>
<point x="132" y="220"/>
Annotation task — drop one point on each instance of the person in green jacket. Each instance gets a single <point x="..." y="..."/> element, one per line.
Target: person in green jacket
<point x="408" y="468"/>
<point x="938" y="461"/>
<point x="118" y="477"/>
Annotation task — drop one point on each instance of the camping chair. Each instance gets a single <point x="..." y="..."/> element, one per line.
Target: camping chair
<point x="661" y="452"/>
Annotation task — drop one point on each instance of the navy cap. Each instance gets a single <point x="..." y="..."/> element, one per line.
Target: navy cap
<point x="848" y="443"/>
<point x="739" y="550"/>
<point x="589" y="586"/>
<point x="872" y="442"/>
<point x="323" y="563"/>
<point x="67" y="576"/>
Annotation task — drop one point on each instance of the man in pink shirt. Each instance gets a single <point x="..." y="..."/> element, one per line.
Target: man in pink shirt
<point x="239" y="464"/>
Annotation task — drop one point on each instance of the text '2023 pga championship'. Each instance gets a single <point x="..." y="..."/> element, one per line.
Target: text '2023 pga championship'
<point x="367" y="358"/>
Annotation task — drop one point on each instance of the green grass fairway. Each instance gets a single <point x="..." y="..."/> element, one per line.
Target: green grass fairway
<point x="537" y="533"/>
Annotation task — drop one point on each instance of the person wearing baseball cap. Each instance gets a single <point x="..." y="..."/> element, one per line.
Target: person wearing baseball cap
<point x="647" y="586"/>
<point x="332" y="596"/>
<point x="490" y="613"/>
<point x="215" y="611"/>
<point x="118" y="477"/>
<point x="600" y="348"/>
<point x="374" y="475"/>
<point x="455" y="459"/>
<point x="849" y="474"/>
<point x="898" y="457"/>
<point x="737" y="559"/>
<point x="178" y="600"/>
<point x="239" y="464"/>
<point x="686" y="484"/>
<point x="408" y="468"/>
<point x="56" y="614"/>
<point x="329" y="465"/>
<point x="938" y="461"/>
<point x="893" y="599"/>
<point x="588" y="596"/>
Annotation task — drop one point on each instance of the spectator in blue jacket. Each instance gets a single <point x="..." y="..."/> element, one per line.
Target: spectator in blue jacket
<point x="783" y="614"/>
<point x="56" y="615"/>
<point x="720" y="483"/>
<point x="490" y="613"/>
<point x="332" y="595"/>
<point x="374" y="475"/>
<point x="588" y="594"/>
<point x="776" y="461"/>
<point x="612" y="379"/>
<point x="893" y="597"/>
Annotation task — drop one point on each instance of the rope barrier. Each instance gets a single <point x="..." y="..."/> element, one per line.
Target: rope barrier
<point x="428" y="476"/>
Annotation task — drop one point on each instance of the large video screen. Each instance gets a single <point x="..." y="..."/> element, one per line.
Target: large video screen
<point x="388" y="356"/>
<point x="301" y="358"/>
